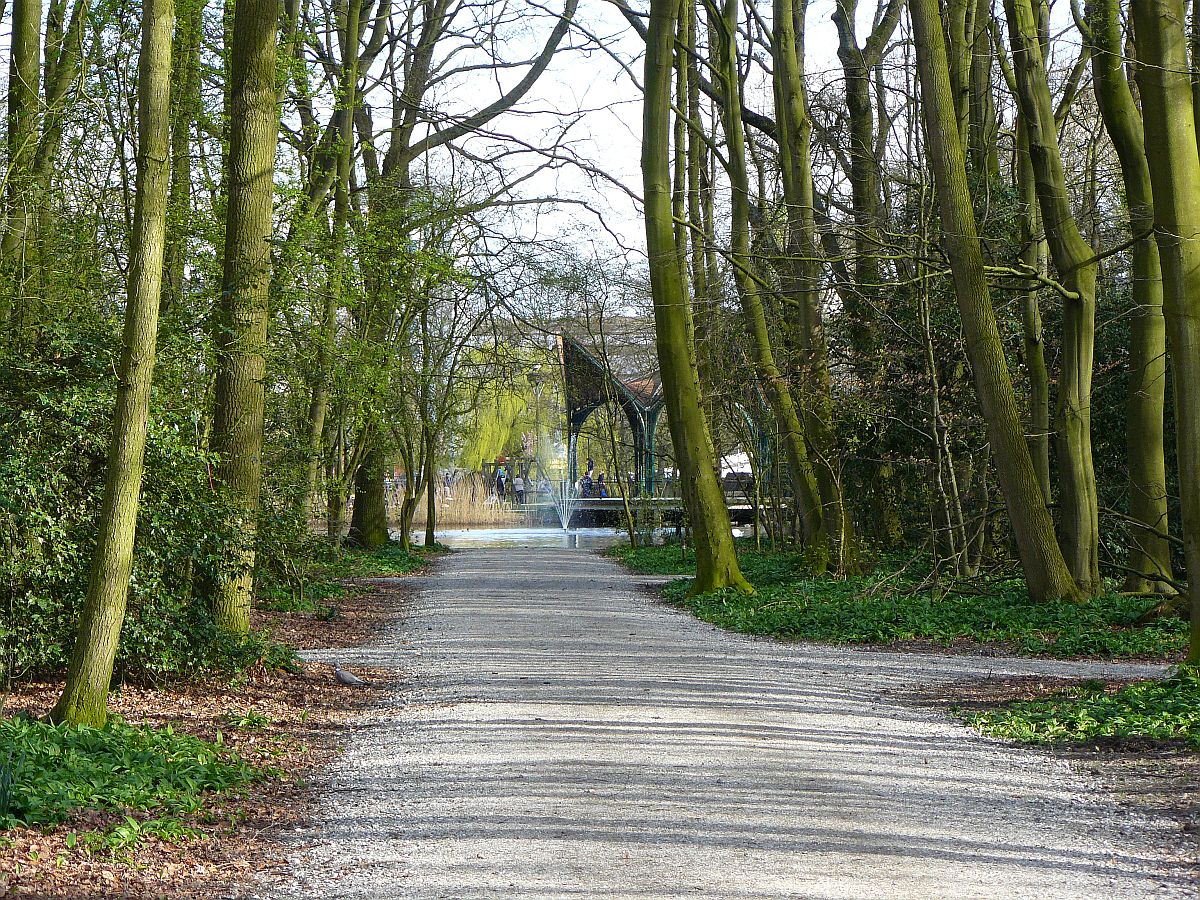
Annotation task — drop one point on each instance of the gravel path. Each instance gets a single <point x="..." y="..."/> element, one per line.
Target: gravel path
<point x="561" y="734"/>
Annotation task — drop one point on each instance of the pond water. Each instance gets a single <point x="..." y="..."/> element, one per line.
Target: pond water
<point x="575" y="539"/>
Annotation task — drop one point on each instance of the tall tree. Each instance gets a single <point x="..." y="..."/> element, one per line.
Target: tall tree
<point x="801" y="272"/>
<point x="349" y="37"/>
<point x="1150" y="559"/>
<point x="776" y="388"/>
<point x="857" y="64"/>
<point x="1046" y="572"/>
<point x="24" y="76"/>
<point x="716" y="560"/>
<point x="1077" y="267"/>
<point x="417" y="68"/>
<point x="1170" y="131"/>
<point x="241" y="314"/>
<point x="84" y="698"/>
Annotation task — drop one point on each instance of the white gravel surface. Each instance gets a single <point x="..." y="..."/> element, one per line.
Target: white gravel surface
<point x="561" y="734"/>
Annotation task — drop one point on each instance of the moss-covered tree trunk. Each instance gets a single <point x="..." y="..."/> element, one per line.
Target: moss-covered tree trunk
<point x="863" y="298"/>
<point x="429" y="442"/>
<point x="368" y="522"/>
<point x="1046" y="572"/>
<point x="801" y="275"/>
<point x="241" y="315"/>
<point x="349" y="28"/>
<point x="84" y="699"/>
<point x="1076" y="265"/>
<point x="186" y="106"/>
<point x="1151" y="553"/>
<point x="716" y="560"/>
<point x="1033" y="256"/>
<point x="24" y="76"/>
<point x="723" y="48"/>
<point x="1175" y="173"/>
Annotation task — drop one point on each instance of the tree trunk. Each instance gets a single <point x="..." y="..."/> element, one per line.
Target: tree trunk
<point x="349" y="14"/>
<point x="1033" y="256"/>
<point x="801" y="276"/>
<point x="981" y="140"/>
<point x="368" y="523"/>
<point x="84" y="698"/>
<point x="1046" y="573"/>
<point x="1151" y="553"/>
<point x="716" y="560"/>
<point x="186" y="107"/>
<point x="24" y="74"/>
<point x="241" y="333"/>
<point x="863" y="297"/>
<point x="723" y="41"/>
<point x="1076" y="265"/>
<point x="1175" y="173"/>
<point x="430" y="490"/>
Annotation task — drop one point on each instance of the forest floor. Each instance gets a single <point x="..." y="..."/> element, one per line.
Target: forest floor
<point x="560" y="734"/>
<point x="293" y="726"/>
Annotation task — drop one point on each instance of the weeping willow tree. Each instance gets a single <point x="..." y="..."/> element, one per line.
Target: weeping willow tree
<point x="500" y="412"/>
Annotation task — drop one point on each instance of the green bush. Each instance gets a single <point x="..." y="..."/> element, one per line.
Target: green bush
<point x="56" y="418"/>
<point x="1167" y="710"/>
<point x="55" y="770"/>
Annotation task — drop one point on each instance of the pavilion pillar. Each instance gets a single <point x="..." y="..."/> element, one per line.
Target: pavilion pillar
<point x="649" y="473"/>
<point x="572" y="452"/>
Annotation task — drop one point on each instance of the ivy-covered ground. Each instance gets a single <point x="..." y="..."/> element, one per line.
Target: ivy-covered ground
<point x="898" y="604"/>
<point x="181" y="793"/>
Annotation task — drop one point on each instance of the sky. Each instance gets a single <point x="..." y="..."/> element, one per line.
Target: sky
<point x="608" y="135"/>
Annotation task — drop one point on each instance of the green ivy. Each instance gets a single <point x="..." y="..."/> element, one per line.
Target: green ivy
<point x="55" y="770"/>
<point x="1167" y="710"/>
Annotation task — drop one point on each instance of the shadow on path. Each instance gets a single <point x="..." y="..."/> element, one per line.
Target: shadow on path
<point x="565" y="736"/>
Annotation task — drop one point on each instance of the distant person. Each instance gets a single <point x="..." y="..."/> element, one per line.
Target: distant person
<point x="591" y="465"/>
<point x="519" y="489"/>
<point x="500" y="484"/>
<point x="601" y="487"/>
<point x="585" y="485"/>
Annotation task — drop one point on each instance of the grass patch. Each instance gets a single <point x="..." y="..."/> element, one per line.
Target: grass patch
<point x="49" y="772"/>
<point x="891" y="605"/>
<point x="1167" y="710"/>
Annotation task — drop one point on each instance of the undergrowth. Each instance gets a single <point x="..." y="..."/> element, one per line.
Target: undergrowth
<point x="896" y="604"/>
<point x="1167" y="710"/>
<point x="49" y="772"/>
<point x="315" y="584"/>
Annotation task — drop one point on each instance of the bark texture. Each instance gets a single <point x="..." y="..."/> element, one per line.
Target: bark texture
<point x="1076" y="265"/>
<point x="24" y="76"/>
<point x="1165" y="87"/>
<point x="716" y="561"/>
<point x="84" y="698"/>
<point x="775" y="387"/>
<point x="241" y="326"/>
<point x="1046" y="572"/>
<point x="1151" y="553"/>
